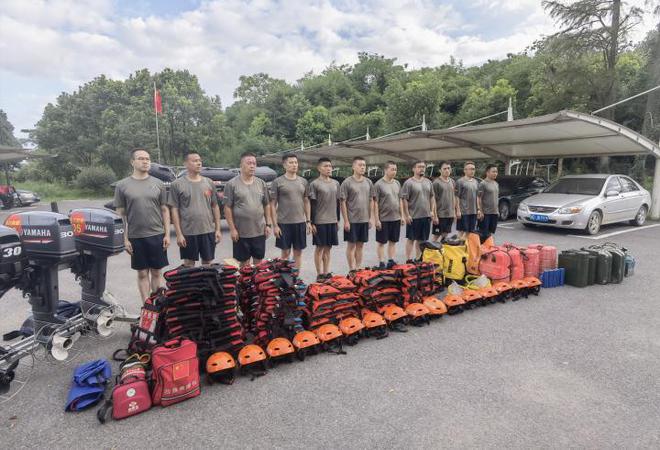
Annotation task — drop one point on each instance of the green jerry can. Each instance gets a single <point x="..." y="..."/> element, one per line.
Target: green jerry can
<point x="576" y="266"/>
<point x="593" y="265"/>
<point x="603" y="264"/>
<point x="618" y="265"/>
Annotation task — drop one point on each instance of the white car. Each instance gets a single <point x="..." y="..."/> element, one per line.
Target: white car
<point x="585" y="202"/>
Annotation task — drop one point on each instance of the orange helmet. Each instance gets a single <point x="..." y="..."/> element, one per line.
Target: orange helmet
<point x="419" y="314"/>
<point x="279" y="347"/>
<point x="372" y="320"/>
<point x="470" y="297"/>
<point x="489" y="295"/>
<point x="220" y="361"/>
<point x="328" y="332"/>
<point x="392" y="312"/>
<point x="520" y="289"/>
<point x="504" y="289"/>
<point x="454" y="303"/>
<point x="221" y="368"/>
<point x="375" y="324"/>
<point x="305" y="339"/>
<point x="350" y="326"/>
<point x="435" y="306"/>
<point x="532" y="281"/>
<point x="251" y="354"/>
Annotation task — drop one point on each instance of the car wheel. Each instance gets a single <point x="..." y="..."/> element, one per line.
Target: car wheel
<point x="640" y="217"/>
<point x="593" y="224"/>
<point x="504" y="209"/>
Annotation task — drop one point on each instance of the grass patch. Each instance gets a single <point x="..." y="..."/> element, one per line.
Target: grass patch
<point x="53" y="192"/>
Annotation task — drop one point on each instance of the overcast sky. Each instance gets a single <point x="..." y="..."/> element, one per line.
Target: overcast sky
<point x="47" y="47"/>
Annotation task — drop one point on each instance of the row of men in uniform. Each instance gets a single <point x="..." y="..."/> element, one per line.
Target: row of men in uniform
<point x="293" y="208"/>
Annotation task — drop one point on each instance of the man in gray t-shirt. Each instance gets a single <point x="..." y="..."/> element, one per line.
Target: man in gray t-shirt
<point x="387" y="214"/>
<point x="444" y="189"/>
<point x="142" y="202"/>
<point x="195" y="213"/>
<point x="246" y="206"/>
<point x="487" y="203"/>
<point x="356" y="196"/>
<point x="290" y="209"/>
<point x="323" y="198"/>
<point x="418" y="203"/>
<point x="466" y="196"/>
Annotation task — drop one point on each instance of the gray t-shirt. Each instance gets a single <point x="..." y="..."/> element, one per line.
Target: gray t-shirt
<point x="418" y="193"/>
<point x="142" y="200"/>
<point x="466" y="191"/>
<point x="358" y="195"/>
<point x="290" y="197"/>
<point x="325" y="194"/>
<point x="387" y="195"/>
<point x="247" y="203"/>
<point x="445" y="197"/>
<point x="489" y="192"/>
<point x="194" y="200"/>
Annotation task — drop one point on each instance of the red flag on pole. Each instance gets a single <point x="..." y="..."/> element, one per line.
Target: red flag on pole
<point x="158" y="102"/>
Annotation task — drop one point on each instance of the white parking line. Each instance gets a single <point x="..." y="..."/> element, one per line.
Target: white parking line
<point x="509" y="226"/>
<point x="606" y="235"/>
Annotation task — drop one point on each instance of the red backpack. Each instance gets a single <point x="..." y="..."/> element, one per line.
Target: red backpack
<point x="130" y="395"/>
<point x="175" y="371"/>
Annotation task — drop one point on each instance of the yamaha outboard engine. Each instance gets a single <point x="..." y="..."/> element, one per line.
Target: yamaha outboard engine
<point x="48" y="245"/>
<point x="12" y="259"/>
<point x="99" y="234"/>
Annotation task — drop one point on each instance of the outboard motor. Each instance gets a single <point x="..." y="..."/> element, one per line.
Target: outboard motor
<point x="98" y="234"/>
<point x="49" y="245"/>
<point x="12" y="259"/>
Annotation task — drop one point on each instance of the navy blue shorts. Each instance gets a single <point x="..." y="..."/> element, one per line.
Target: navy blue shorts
<point x="444" y="226"/>
<point x="419" y="229"/>
<point x="326" y="235"/>
<point x="358" y="232"/>
<point x="293" y="235"/>
<point x="488" y="225"/>
<point x="148" y="253"/>
<point x="246" y="248"/>
<point x="389" y="232"/>
<point x="467" y="223"/>
<point x="199" y="246"/>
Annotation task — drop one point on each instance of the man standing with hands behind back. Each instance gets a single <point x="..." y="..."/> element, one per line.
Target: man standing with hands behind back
<point x="195" y="213"/>
<point x="356" y="195"/>
<point x="246" y="206"/>
<point x="142" y="202"/>
<point x="291" y="210"/>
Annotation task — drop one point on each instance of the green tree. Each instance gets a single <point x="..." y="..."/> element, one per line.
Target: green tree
<point x="314" y="126"/>
<point x="7" y="132"/>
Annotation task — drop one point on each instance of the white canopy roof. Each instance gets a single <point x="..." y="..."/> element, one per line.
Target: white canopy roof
<point x="567" y="134"/>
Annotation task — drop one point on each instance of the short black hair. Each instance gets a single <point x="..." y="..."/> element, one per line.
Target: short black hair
<point x="288" y="155"/>
<point x="359" y="158"/>
<point x="322" y="160"/>
<point x="419" y="161"/>
<point x="490" y="166"/>
<point x="191" y="152"/>
<point x="139" y="149"/>
<point x="467" y="163"/>
<point x="445" y="163"/>
<point x="247" y="155"/>
<point x="388" y="164"/>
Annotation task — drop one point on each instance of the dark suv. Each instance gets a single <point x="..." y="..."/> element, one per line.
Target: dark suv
<point x="516" y="188"/>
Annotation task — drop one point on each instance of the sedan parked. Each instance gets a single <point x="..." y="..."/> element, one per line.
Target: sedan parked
<point x="585" y="202"/>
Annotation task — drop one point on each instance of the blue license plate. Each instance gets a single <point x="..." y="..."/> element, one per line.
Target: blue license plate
<point x="539" y="218"/>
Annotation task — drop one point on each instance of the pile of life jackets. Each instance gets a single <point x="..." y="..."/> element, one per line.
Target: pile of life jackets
<point x="200" y="304"/>
<point x="272" y="300"/>
<point x="331" y="301"/>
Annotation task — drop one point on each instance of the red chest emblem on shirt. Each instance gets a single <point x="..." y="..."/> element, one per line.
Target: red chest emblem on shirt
<point x="208" y="193"/>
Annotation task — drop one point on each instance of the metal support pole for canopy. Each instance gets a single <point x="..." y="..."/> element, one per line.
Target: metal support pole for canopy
<point x="655" y="195"/>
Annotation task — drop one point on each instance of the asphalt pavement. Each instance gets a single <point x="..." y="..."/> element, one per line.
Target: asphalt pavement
<point x="571" y="368"/>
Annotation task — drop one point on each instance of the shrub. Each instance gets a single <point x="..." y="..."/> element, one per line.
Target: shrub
<point x="95" y="179"/>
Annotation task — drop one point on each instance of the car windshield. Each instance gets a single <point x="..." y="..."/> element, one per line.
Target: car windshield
<point x="579" y="186"/>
